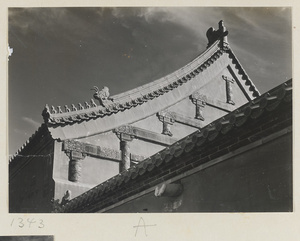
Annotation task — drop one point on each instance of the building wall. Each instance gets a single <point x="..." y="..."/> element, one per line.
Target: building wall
<point x="31" y="186"/>
<point x="213" y="86"/>
<point x="255" y="181"/>
<point x="217" y="89"/>
<point x="93" y="171"/>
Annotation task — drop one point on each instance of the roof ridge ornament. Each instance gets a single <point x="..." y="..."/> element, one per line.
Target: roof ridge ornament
<point x="102" y="96"/>
<point x="46" y="113"/>
<point x="220" y="34"/>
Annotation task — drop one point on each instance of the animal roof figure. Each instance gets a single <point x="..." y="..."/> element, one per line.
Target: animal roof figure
<point x="102" y="96"/>
<point x="213" y="35"/>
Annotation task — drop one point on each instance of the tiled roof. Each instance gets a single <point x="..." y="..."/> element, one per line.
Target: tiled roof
<point x="144" y="94"/>
<point x="139" y="95"/>
<point x="42" y="129"/>
<point x="252" y="110"/>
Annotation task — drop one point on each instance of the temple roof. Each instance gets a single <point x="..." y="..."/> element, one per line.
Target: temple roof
<point x="40" y="132"/>
<point x="147" y="92"/>
<point x="279" y="97"/>
<point x="136" y="104"/>
<point x="141" y="102"/>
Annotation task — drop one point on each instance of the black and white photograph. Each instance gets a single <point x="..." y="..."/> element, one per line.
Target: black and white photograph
<point x="150" y="110"/>
<point x="26" y="238"/>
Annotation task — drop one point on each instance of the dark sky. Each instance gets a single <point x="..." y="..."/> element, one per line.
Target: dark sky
<point x="59" y="54"/>
<point x="26" y="238"/>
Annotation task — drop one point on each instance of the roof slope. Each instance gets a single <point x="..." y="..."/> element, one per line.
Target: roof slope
<point x="273" y="110"/>
<point x="142" y="101"/>
<point x="146" y="100"/>
<point x="36" y="138"/>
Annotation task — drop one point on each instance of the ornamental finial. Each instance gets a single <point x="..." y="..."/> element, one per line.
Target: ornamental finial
<point x="214" y="35"/>
<point x="102" y="96"/>
<point x="46" y="113"/>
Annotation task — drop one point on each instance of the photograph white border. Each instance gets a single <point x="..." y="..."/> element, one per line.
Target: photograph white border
<point x="179" y="226"/>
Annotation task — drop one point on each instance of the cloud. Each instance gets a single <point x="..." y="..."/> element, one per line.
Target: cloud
<point x="189" y="18"/>
<point x="59" y="52"/>
<point x="32" y="122"/>
<point x="263" y="23"/>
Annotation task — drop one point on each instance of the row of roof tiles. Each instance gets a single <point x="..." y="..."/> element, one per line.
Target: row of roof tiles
<point x="41" y="129"/>
<point x="253" y="109"/>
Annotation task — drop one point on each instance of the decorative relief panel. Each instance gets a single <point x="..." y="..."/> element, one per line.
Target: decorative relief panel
<point x="200" y="101"/>
<point x="125" y="133"/>
<point x="167" y="119"/>
<point x="110" y="153"/>
<point x="71" y="145"/>
<point x="229" y="93"/>
<point x="78" y="150"/>
<point x="76" y="155"/>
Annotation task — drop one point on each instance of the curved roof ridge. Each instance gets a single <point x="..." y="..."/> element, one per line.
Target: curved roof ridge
<point x="217" y="46"/>
<point x="173" y="76"/>
<point x="242" y="72"/>
<point x="138" y="95"/>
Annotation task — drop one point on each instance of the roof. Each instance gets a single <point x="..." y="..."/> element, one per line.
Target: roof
<point x="130" y="106"/>
<point x="41" y="132"/>
<point x="255" y="111"/>
<point x="143" y="101"/>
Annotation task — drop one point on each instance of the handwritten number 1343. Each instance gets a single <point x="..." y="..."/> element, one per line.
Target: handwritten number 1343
<point x="29" y="222"/>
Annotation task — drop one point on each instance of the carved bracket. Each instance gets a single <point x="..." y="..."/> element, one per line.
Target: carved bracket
<point x="229" y="93"/>
<point x="200" y="101"/>
<point x="71" y="145"/>
<point x="125" y="133"/>
<point x="167" y="119"/>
